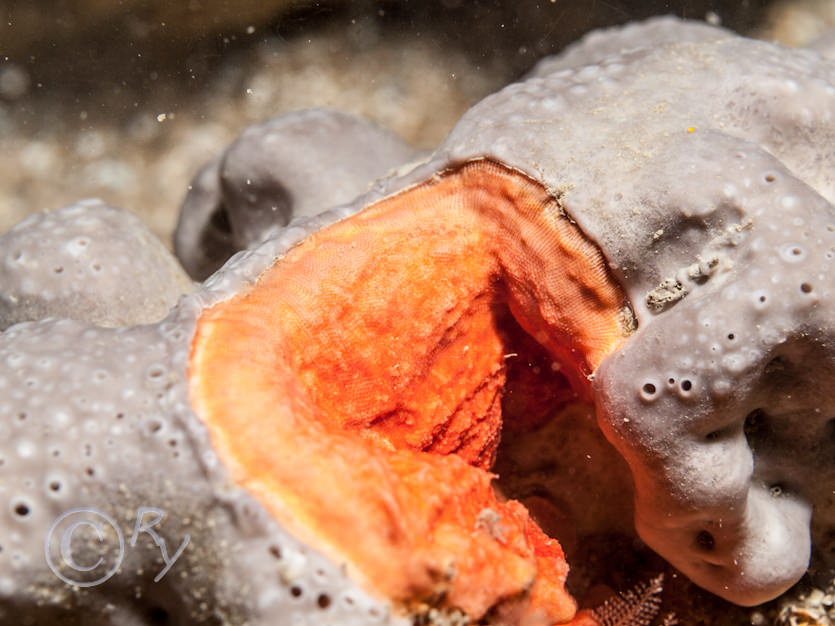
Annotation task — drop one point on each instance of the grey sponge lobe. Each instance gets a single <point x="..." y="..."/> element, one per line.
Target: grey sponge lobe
<point x="724" y="404"/>
<point x="296" y="165"/>
<point x="87" y="261"/>
<point x="606" y="42"/>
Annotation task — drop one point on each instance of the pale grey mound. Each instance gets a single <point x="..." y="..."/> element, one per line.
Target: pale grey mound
<point x="88" y="261"/>
<point x="705" y="171"/>
<point x="295" y="165"/>
<point x="97" y="439"/>
<point x="599" y="44"/>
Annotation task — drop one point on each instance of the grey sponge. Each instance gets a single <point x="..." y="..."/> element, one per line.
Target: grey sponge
<point x="295" y="165"/>
<point x="606" y="42"/>
<point x="87" y="261"/>
<point x="702" y="169"/>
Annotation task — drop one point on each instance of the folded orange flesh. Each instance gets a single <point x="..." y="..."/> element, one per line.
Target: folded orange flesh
<point x="356" y="390"/>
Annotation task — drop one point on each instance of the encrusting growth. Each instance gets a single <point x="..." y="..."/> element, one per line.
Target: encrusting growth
<point x="356" y="388"/>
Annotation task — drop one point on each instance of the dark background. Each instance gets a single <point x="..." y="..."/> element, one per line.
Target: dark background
<point x="126" y="99"/>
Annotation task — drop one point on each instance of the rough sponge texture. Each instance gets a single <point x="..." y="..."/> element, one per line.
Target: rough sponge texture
<point x="98" y="418"/>
<point x="605" y="42"/>
<point x="87" y="261"/>
<point x="702" y="169"/>
<point x="705" y="171"/>
<point x="295" y="165"/>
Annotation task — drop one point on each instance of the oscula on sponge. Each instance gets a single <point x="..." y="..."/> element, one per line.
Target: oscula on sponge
<point x="273" y="173"/>
<point x="319" y="419"/>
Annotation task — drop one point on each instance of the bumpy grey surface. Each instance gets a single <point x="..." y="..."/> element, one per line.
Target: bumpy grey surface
<point x="295" y="165"/>
<point x="705" y="171"/>
<point x="98" y="419"/>
<point x="605" y="42"/>
<point x="87" y="261"/>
